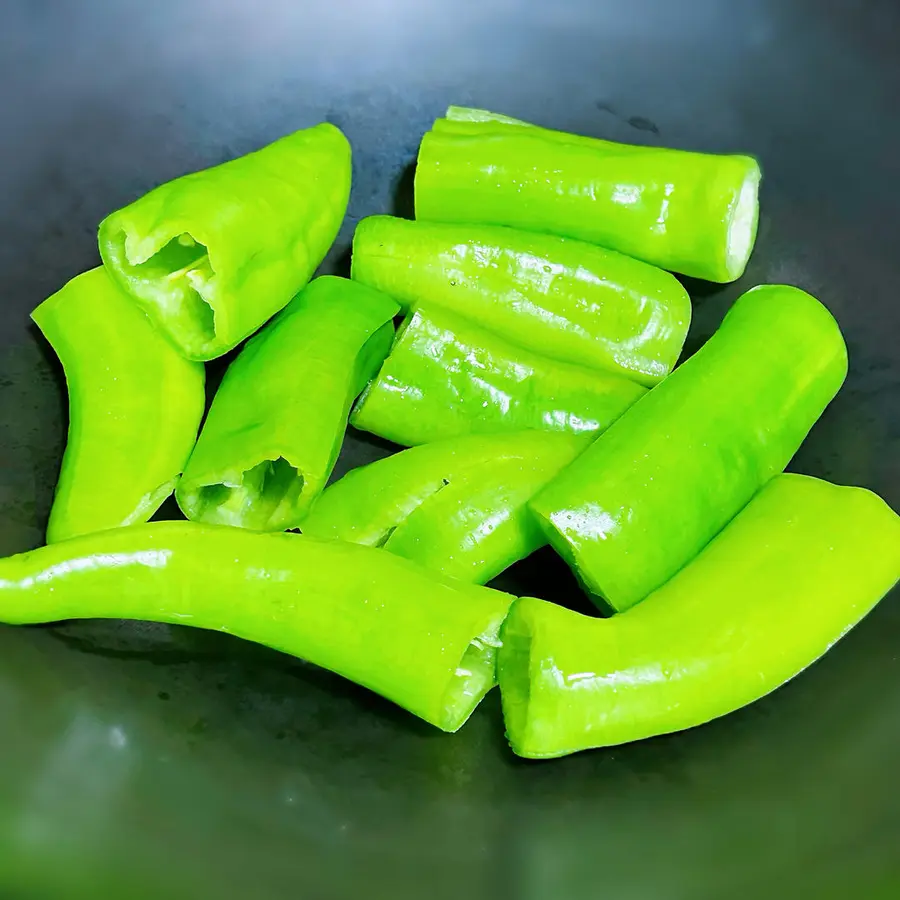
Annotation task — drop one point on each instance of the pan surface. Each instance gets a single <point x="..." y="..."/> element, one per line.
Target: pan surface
<point x="161" y="762"/>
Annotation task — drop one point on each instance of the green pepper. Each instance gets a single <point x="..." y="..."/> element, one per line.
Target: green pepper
<point x="566" y="299"/>
<point x="458" y="507"/>
<point x="135" y="405"/>
<point x="694" y="213"/>
<point x="793" y="572"/>
<point x="446" y="377"/>
<point x="211" y="256"/>
<point x="651" y="492"/>
<point x="424" y="642"/>
<point x="276" y="424"/>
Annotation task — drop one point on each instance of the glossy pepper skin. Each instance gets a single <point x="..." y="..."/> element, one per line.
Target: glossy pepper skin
<point x="135" y="405"/>
<point x="647" y="497"/>
<point x="788" y="577"/>
<point x="446" y="377"/>
<point x="458" y="507"/>
<point x="211" y="256"/>
<point x="565" y="299"/>
<point x="694" y="213"/>
<point x="426" y="643"/>
<point x="276" y="424"/>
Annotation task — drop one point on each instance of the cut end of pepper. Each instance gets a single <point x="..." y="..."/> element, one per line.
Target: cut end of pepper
<point x="557" y="526"/>
<point x="475" y="675"/>
<point x="173" y="281"/>
<point x="514" y="670"/>
<point x="264" y="499"/>
<point x="743" y="225"/>
<point x="532" y="728"/>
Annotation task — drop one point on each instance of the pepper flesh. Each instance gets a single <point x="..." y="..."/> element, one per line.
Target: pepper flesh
<point x="276" y="424"/>
<point x="211" y="256"/>
<point x="135" y="405"/>
<point x="458" y="507"/>
<point x="446" y="377"/>
<point x="694" y="213"/>
<point x="426" y="643"/>
<point x="793" y="572"/>
<point x="565" y="299"/>
<point x="645" y="498"/>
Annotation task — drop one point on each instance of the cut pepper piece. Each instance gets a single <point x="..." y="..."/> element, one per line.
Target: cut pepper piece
<point x="647" y="496"/>
<point x="211" y="256"/>
<point x="458" y="507"/>
<point x="446" y="377"/>
<point x="135" y="405"/>
<point x="276" y="424"/>
<point x="694" y="213"/>
<point x="426" y="643"/>
<point x="793" y="572"/>
<point x="565" y="299"/>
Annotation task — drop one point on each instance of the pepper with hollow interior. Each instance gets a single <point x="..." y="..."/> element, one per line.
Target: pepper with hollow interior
<point x="694" y="213"/>
<point x="562" y="298"/>
<point x="276" y="424"/>
<point x="135" y="405"/>
<point x="650" y="493"/>
<point x="426" y="643"/>
<point x="457" y="507"/>
<point x="793" y="572"/>
<point x="212" y="255"/>
<point x="446" y="377"/>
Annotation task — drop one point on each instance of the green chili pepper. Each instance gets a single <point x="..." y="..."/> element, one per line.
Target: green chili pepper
<point x="457" y="506"/>
<point x="211" y="256"/>
<point x="135" y="405"/>
<point x="647" y="496"/>
<point x="793" y="572"/>
<point x="426" y="643"/>
<point x="566" y="299"/>
<point x="276" y="424"/>
<point x="447" y="377"/>
<point x="694" y="213"/>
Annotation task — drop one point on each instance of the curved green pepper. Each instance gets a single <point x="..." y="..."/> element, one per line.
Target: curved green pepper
<point x="447" y="377"/>
<point x="457" y="507"/>
<point x="212" y="255"/>
<point x="647" y="496"/>
<point x="426" y="643"/>
<point x="565" y="299"/>
<point x="135" y="405"/>
<point x="276" y="424"/>
<point x="793" y="572"/>
<point x="694" y="213"/>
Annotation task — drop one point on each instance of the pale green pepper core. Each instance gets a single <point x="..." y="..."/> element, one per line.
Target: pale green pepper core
<point x="649" y="494"/>
<point x="694" y="213"/>
<point x="564" y="299"/>
<point x="457" y="507"/>
<point x="426" y="643"/>
<point x="446" y="377"/>
<point x="793" y="572"/>
<point x="135" y="405"/>
<point x="211" y="256"/>
<point x="276" y="424"/>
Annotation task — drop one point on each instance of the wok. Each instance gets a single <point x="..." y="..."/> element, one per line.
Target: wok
<point x="154" y="761"/>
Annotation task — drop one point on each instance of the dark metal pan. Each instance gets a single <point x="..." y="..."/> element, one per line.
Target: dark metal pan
<point x="159" y="762"/>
